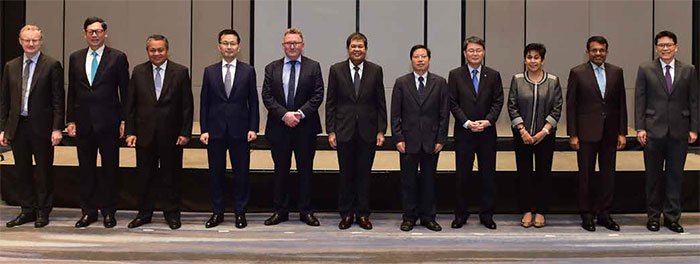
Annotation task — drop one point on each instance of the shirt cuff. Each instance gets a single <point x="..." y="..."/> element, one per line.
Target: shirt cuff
<point x="302" y="114"/>
<point x="466" y="124"/>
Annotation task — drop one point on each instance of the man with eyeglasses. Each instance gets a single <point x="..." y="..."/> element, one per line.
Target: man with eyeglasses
<point x="31" y="119"/>
<point x="98" y="77"/>
<point x="229" y="120"/>
<point x="597" y="124"/>
<point x="476" y="99"/>
<point x="292" y="92"/>
<point x="666" y="120"/>
<point x="355" y="122"/>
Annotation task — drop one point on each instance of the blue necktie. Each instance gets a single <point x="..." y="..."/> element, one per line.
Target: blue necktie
<point x="93" y="69"/>
<point x="601" y="80"/>
<point x="159" y="83"/>
<point x="475" y="80"/>
<point x="290" y="85"/>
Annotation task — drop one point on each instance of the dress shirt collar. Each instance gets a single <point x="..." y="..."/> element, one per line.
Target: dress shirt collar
<point x="233" y="63"/>
<point x="33" y="58"/>
<point x="352" y="66"/>
<point x="287" y="60"/>
<point x="595" y="66"/>
<point x="162" y="66"/>
<point x="663" y="64"/>
<point x="99" y="51"/>
<point x="425" y="76"/>
<point x="471" y="69"/>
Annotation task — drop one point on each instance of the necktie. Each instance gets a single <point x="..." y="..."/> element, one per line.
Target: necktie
<point x="25" y="89"/>
<point x="93" y="69"/>
<point x="601" y="80"/>
<point x="669" y="83"/>
<point x="227" y="80"/>
<point x="356" y="80"/>
<point x="421" y="87"/>
<point x="475" y="80"/>
<point x="290" y="85"/>
<point x="159" y="83"/>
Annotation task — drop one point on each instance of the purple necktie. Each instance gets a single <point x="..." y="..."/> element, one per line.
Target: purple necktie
<point x="669" y="83"/>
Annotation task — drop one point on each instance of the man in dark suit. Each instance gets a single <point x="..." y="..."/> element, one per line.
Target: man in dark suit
<point x="229" y="120"/>
<point x="666" y="96"/>
<point x="419" y="120"/>
<point x="31" y="118"/>
<point x="476" y="99"/>
<point x="355" y="123"/>
<point x="597" y="125"/>
<point x="158" y="123"/>
<point x="292" y="92"/>
<point x="98" y="77"/>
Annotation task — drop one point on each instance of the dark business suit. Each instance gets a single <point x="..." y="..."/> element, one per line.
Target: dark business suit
<point x="420" y="122"/>
<point x="157" y="122"/>
<point x="31" y="135"/>
<point x="228" y="119"/>
<point x="356" y="119"/>
<point x="597" y="121"/>
<point x="96" y="111"/>
<point x="465" y="105"/>
<point x="657" y="110"/>
<point x="300" y="139"/>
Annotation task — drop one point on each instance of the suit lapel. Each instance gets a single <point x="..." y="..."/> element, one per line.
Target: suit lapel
<point x="219" y="88"/>
<point x="660" y="74"/>
<point x="299" y="82"/>
<point x="167" y="81"/>
<point x="468" y="80"/>
<point x="38" y="68"/>
<point x="429" y="87"/>
<point x="678" y="67"/>
<point x="236" y="79"/>
<point x="101" y="65"/>
<point x="482" y="79"/>
<point x="81" y="66"/>
<point x="349" y="83"/>
<point x="278" y="75"/>
<point x="151" y="84"/>
<point x="412" y="89"/>
<point x="594" y="79"/>
<point x="609" y="81"/>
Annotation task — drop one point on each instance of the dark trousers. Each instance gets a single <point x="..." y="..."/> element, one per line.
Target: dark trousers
<point x="304" y="148"/>
<point x="595" y="190"/>
<point x="418" y="189"/>
<point x="483" y="144"/>
<point x="239" y="153"/>
<point x="663" y="190"/>
<point x="98" y="191"/>
<point x="355" y="159"/>
<point x="159" y="168"/>
<point x="533" y="188"/>
<point x="36" y="185"/>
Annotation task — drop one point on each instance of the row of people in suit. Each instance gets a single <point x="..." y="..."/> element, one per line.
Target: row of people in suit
<point x="153" y="111"/>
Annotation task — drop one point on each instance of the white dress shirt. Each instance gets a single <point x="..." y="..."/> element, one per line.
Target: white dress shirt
<point x="88" y="61"/>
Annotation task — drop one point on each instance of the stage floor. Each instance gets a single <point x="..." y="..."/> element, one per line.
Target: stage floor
<point x="562" y="240"/>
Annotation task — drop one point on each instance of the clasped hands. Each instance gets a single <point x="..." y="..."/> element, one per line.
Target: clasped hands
<point x="478" y="125"/>
<point x="292" y="118"/>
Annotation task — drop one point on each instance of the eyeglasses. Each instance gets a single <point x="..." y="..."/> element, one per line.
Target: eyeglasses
<point x="292" y="43"/>
<point x="29" y="41"/>
<point x="228" y="44"/>
<point x="95" y="32"/>
<point x="665" y="45"/>
<point x="597" y="51"/>
<point x="420" y="56"/>
<point x="475" y="51"/>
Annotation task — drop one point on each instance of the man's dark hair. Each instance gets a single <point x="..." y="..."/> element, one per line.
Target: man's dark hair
<point x="158" y="37"/>
<point x="474" y="40"/>
<point x="666" y="33"/>
<point x="91" y="20"/>
<point x="356" y="36"/>
<point x="537" y="47"/>
<point x="417" y="47"/>
<point x="229" y="31"/>
<point x="599" y="39"/>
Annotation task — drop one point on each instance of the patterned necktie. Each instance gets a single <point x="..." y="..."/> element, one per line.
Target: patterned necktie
<point x="475" y="80"/>
<point x="25" y="89"/>
<point x="93" y="69"/>
<point x="669" y="83"/>
<point x="227" y="80"/>
<point x="421" y="87"/>
<point x="159" y="83"/>
<point x="601" y="80"/>
<point x="290" y="85"/>
<point x="356" y="80"/>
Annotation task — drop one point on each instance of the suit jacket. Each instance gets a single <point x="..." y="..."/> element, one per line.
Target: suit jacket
<point x="98" y="105"/>
<point x="46" y="97"/>
<point x="656" y="110"/>
<point x="237" y="113"/>
<point x="466" y="104"/>
<point x="346" y="111"/>
<point x="420" y="123"/>
<point x="588" y="112"/>
<point x="168" y="116"/>
<point x="308" y="96"/>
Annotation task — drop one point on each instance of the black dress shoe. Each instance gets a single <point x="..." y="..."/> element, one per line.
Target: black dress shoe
<point x="240" y="221"/>
<point x="653" y="225"/>
<point x="488" y="223"/>
<point x="173" y="223"/>
<point x="214" y="220"/>
<point x="588" y="225"/>
<point x="139" y="221"/>
<point x="21" y="219"/>
<point x="309" y="219"/>
<point x="459" y="222"/>
<point x="276" y="219"/>
<point x="110" y="221"/>
<point x="674" y="226"/>
<point x="609" y="224"/>
<point x="42" y="220"/>
<point x="407" y="225"/>
<point x="364" y="223"/>
<point x="345" y="223"/>
<point x="431" y="225"/>
<point x="86" y="220"/>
